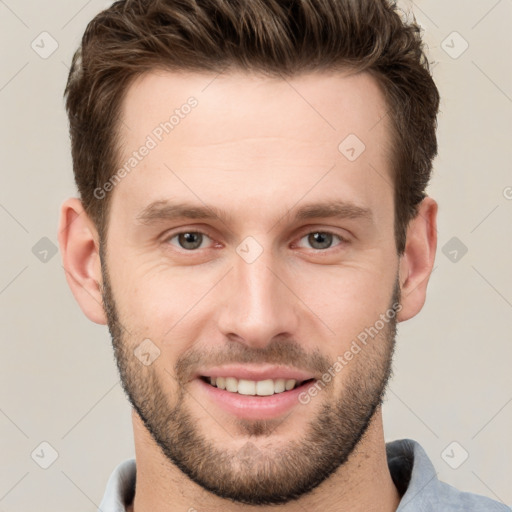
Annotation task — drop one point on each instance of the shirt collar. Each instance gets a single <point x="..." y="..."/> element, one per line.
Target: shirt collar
<point x="413" y="475"/>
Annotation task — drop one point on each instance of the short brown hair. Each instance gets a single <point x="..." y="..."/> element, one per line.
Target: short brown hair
<point x="273" y="37"/>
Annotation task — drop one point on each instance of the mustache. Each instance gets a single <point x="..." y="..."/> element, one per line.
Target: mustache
<point x="279" y="351"/>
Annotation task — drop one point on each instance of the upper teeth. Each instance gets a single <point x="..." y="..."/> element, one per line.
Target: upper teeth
<point x="251" y="387"/>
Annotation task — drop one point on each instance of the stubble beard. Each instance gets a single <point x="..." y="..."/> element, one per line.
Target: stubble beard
<point x="259" y="472"/>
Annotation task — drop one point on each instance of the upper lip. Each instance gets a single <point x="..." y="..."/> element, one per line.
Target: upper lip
<point x="255" y="373"/>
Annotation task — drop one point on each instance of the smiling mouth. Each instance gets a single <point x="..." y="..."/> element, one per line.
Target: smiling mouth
<point x="267" y="387"/>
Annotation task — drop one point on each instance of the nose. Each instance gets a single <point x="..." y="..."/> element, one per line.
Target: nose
<point x="258" y="303"/>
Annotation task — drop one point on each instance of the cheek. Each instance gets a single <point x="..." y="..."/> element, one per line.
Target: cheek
<point x="165" y="304"/>
<point x="347" y="299"/>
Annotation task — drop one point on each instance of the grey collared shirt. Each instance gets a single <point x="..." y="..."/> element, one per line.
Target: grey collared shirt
<point x="412" y="471"/>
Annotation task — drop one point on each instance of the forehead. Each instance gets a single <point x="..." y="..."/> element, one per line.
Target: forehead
<point x="328" y="104"/>
<point x="255" y="134"/>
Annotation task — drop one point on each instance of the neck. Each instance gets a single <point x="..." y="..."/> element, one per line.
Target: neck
<point x="363" y="483"/>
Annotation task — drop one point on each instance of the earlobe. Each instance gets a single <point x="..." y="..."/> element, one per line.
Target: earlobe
<point x="79" y="246"/>
<point x="418" y="259"/>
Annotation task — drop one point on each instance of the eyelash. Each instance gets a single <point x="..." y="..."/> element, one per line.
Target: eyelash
<point x="342" y="240"/>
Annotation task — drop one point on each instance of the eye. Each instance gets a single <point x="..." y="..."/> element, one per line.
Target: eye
<point x="320" y="240"/>
<point x="189" y="240"/>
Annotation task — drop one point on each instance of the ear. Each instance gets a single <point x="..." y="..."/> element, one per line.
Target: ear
<point x="418" y="259"/>
<point x="79" y="246"/>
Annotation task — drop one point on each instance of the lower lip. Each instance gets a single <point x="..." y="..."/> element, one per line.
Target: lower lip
<point x="254" y="407"/>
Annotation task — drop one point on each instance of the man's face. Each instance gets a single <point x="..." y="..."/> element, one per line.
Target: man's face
<point x="249" y="243"/>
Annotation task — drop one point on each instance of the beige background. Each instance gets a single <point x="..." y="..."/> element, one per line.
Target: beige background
<point x="452" y="370"/>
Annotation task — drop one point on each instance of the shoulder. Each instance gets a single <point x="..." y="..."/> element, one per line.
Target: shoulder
<point x="459" y="501"/>
<point x="416" y="479"/>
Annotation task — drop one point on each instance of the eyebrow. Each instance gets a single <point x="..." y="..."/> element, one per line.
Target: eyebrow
<point x="164" y="210"/>
<point x="333" y="209"/>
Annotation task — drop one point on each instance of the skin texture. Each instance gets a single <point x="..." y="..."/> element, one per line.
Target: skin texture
<point x="259" y="149"/>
